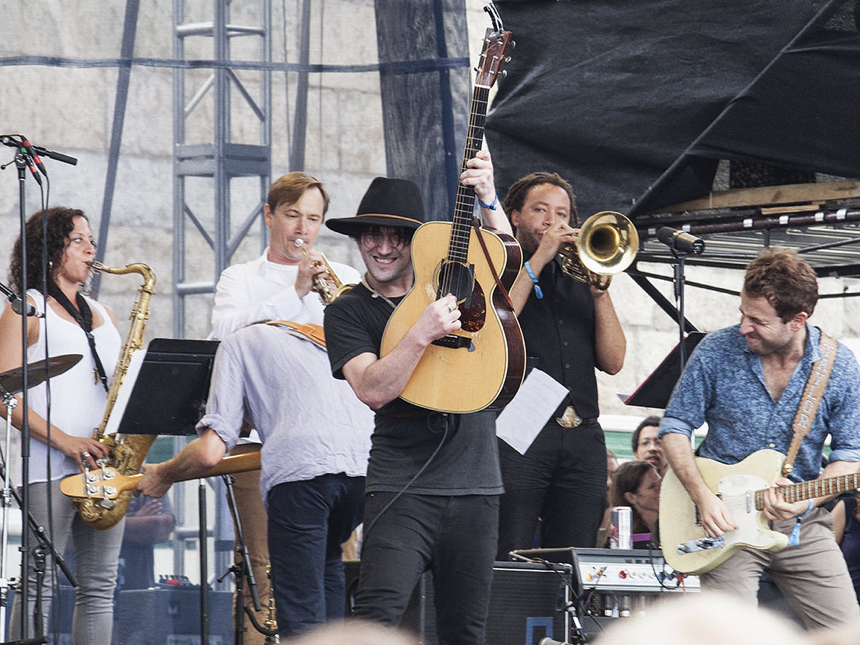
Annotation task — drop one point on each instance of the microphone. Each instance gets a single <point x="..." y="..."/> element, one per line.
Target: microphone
<point x="34" y="156"/>
<point x="19" y="306"/>
<point x="680" y="240"/>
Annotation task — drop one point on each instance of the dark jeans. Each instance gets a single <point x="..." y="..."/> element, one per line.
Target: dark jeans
<point x="454" y="537"/>
<point x="562" y="480"/>
<point x="308" y="521"/>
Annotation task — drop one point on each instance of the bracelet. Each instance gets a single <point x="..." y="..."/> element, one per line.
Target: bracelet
<point x="794" y="536"/>
<point x="490" y="207"/>
<point x="808" y="510"/>
<point x="532" y="275"/>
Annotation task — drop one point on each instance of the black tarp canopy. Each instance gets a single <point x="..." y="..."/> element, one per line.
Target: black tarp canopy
<point x="637" y="104"/>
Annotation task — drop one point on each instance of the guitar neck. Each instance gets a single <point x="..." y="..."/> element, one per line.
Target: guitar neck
<point x="812" y="489"/>
<point x="464" y="204"/>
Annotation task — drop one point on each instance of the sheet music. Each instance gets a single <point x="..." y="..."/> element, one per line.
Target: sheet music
<point x="525" y="416"/>
<point x="125" y="391"/>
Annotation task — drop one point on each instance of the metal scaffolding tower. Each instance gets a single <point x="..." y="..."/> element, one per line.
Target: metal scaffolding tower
<point x="220" y="160"/>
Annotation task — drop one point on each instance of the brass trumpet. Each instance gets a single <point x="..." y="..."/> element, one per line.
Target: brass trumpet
<point x="607" y="244"/>
<point x="327" y="291"/>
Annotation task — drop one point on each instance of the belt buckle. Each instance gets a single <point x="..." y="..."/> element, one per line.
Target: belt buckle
<point x="570" y="418"/>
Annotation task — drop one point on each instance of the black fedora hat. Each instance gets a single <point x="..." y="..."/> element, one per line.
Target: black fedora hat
<point x="387" y="202"/>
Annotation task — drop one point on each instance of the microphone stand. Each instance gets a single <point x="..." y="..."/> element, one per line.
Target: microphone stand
<point x="241" y="571"/>
<point x="679" y="283"/>
<point x="23" y="161"/>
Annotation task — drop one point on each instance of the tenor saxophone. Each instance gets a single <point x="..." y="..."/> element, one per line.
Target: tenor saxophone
<point x="126" y="451"/>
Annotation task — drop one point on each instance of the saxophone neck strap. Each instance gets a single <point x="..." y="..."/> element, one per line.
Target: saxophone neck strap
<point x="819" y="375"/>
<point x="83" y="315"/>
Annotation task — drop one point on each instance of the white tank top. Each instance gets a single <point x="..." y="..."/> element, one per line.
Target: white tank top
<point x="77" y="399"/>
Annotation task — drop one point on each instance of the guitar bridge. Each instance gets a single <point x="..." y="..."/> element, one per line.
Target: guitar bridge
<point x="453" y="341"/>
<point x="702" y="544"/>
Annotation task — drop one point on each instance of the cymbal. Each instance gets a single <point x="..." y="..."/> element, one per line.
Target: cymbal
<point x="12" y="381"/>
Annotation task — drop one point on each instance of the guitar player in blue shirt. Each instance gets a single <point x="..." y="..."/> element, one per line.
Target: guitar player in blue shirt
<point x="746" y="382"/>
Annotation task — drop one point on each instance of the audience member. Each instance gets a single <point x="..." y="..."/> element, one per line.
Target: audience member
<point x="646" y="445"/>
<point x="715" y="619"/>
<point x="637" y="484"/>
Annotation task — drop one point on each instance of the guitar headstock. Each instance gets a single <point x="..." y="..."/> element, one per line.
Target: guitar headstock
<point x="496" y="42"/>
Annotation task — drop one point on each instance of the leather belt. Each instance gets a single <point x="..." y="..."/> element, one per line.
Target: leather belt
<point x="570" y="419"/>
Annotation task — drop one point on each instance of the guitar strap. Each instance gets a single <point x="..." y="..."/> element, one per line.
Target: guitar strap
<point x="477" y="226"/>
<point x="812" y="395"/>
<point x="308" y="331"/>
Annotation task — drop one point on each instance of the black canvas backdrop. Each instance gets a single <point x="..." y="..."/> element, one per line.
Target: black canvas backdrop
<point x="609" y="93"/>
<point x="801" y="112"/>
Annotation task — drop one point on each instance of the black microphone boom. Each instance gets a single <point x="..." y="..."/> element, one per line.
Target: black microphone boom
<point x="681" y="241"/>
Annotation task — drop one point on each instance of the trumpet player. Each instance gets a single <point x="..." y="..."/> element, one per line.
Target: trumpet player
<point x="276" y="286"/>
<point x="570" y="329"/>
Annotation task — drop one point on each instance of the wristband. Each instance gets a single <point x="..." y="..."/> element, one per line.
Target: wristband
<point x="808" y="510"/>
<point x="532" y="275"/>
<point x="794" y="536"/>
<point x="491" y="206"/>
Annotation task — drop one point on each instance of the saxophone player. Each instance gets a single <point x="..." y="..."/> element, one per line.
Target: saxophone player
<point x="77" y="325"/>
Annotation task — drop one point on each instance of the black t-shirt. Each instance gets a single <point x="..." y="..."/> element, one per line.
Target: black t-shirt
<point x="559" y="331"/>
<point x="405" y="435"/>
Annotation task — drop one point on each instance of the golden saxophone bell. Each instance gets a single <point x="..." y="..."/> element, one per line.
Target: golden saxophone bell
<point x="326" y="290"/>
<point x="607" y="244"/>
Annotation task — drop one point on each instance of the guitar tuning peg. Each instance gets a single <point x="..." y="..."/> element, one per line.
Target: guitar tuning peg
<point x="507" y="59"/>
<point x="504" y="73"/>
<point x="513" y="44"/>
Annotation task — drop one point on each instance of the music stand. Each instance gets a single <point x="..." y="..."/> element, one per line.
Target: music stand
<point x="171" y="388"/>
<point x="168" y="397"/>
<point x="654" y="392"/>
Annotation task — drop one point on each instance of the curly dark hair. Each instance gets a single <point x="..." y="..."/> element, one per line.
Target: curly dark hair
<point x="785" y="280"/>
<point x="516" y="195"/>
<point x="60" y="224"/>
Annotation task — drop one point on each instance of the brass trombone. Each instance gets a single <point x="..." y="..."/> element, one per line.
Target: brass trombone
<point x="607" y="244"/>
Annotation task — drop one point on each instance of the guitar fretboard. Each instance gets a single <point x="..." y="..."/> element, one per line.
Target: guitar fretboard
<point x="464" y="205"/>
<point x="812" y="489"/>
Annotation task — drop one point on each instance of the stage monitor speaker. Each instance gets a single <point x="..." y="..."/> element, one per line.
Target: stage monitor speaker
<point x="527" y="603"/>
<point x="171" y="617"/>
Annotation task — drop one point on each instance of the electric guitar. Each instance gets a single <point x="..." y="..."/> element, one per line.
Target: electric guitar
<point x="106" y="483"/>
<point x="741" y="486"/>
<point x="483" y="362"/>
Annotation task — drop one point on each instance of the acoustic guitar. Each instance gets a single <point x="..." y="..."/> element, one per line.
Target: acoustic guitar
<point x="107" y="483"/>
<point x="482" y="363"/>
<point x="741" y="486"/>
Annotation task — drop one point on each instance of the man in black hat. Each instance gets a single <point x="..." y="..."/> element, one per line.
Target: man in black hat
<point x="433" y="479"/>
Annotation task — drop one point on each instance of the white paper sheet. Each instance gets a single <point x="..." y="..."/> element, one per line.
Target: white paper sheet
<point x="522" y="419"/>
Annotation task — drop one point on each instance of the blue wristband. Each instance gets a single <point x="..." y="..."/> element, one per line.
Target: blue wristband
<point x="532" y="275"/>
<point x="490" y="207"/>
<point x="794" y="536"/>
<point x="808" y="510"/>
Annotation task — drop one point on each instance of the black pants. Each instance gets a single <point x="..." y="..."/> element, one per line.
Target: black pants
<point x="562" y="480"/>
<point x="454" y="537"/>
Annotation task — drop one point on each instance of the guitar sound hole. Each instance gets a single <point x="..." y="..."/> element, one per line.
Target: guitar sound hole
<point x="457" y="279"/>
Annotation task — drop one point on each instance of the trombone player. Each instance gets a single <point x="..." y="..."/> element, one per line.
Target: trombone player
<point x="570" y="329"/>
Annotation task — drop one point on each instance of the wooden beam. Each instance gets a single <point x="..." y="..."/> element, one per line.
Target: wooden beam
<point x="770" y="195"/>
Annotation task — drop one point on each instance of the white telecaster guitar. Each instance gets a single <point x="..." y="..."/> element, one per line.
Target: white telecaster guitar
<point x="686" y="547"/>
